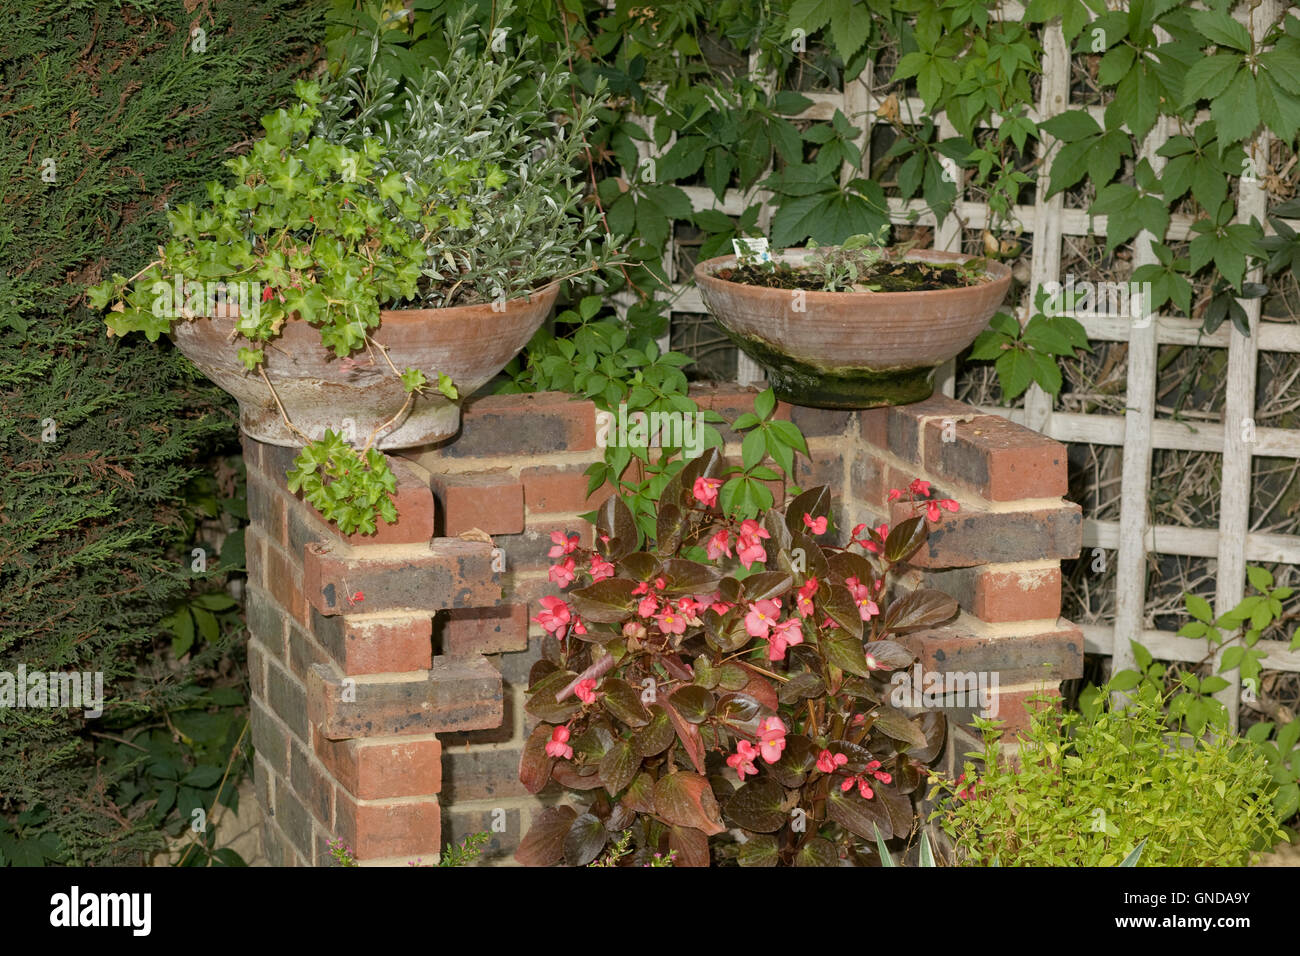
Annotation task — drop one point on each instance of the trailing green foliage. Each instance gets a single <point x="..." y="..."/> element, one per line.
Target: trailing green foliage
<point x="110" y="112"/>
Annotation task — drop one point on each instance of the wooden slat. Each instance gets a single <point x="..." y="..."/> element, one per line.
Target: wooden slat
<point x="1195" y="542"/>
<point x="1239" y="410"/>
<point x="1135" y="472"/>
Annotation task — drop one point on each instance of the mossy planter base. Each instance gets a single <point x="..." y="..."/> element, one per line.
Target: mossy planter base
<point x="800" y="383"/>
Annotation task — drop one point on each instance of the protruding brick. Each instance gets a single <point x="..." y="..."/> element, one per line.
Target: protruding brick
<point x="997" y="458"/>
<point x="814" y="422"/>
<point x="485" y="630"/>
<point x="491" y="501"/>
<point x="970" y="537"/>
<point x="381" y="769"/>
<point x="412" y="497"/>
<point x="536" y="423"/>
<point x="1052" y="655"/>
<point x="459" y="693"/>
<point x="376" y="645"/>
<point x="549" y="488"/>
<point x="389" y="828"/>
<point x="999" y="596"/>
<point x="449" y="573"/>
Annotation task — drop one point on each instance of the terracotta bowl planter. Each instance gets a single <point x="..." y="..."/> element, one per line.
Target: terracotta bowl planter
<point x="319" y="391"/>
<point x="851" y="349"/>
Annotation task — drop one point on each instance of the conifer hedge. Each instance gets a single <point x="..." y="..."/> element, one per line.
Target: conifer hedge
<point x="136" y="105"/>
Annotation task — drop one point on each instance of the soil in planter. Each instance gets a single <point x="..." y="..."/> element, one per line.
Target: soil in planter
<point x="906" y="276"/>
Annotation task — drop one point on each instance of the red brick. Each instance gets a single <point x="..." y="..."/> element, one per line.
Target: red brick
<point x="970" y="537"/>
<point x="1052" y="655"/>
<point x="897" y="427"/>
<point x="535" y="423"/>
<point x="550" y="488"/>
<point x="482" y="775"/>
<point x="492" y="501"/>
<point x="255" y="555"/>
<point x="312" y="785"/>
<point x="376" y="645"/>
<point x="304" y="651"/>
<point x="266" y="509"/>
<point x="459" y="693"/>
<point x="287" y="698"/>
<point x="1011" y="709"/>
<point x="406" y="828"/>
<point x="381" y="769"/>
<point x="999" y="596"/>
<point x="486" y="630"/>
<point x="997" y="458"/>
<point x="284" y="581"/>
<point x="450" y="573"/>
<point x="822" y="421"/>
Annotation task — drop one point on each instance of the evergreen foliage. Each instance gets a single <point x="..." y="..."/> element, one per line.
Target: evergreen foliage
<point x="137" y="105"/>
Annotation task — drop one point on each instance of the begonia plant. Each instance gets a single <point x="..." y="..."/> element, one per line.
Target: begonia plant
<point x="721" y="689"/>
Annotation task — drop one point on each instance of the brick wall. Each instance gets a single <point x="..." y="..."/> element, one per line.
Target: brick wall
<point x="394" y="720"/>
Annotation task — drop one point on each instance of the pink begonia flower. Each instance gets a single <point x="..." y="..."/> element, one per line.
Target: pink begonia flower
<point x="579" y="627"/>
<point x="586" y="690"/>
<point x="827" y="761"/>
<point x="803" y="599"/>
<point x="750" y="547"/>
<point x="783" y="635"/>
<point x="873" y="768"/>
<point x="562" y="574"/>
<point x="600" y="568"/>
<point x="894" y="495"/>
<point x="719" y="545"/>
<point x="648" y="606"/>
<point x="742" y="761"/>
<point x="867" y="608"/>
<point x="554" y="614"/>
<point x="689" y="606"/>
<point x="761" y="617"/>
<point x="875" y="665"/>
<point x="558" y="745"/>
<point x="854" y="538"/>
<point x="863" y="786"/>
<point x="670" y="622"/>
<point x="829" y="625"/>
<point x="919" y="487"/>
<point x="932" y="511"/>
<point x="706" y="491"/>
<point x="564" y="544"/>
<point x="771" y="739"/>
<point x="969" y="790"/>
<point x="817" y="526"/>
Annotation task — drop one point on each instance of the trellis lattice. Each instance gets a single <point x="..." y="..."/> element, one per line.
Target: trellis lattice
<point x="1133" y="537"/>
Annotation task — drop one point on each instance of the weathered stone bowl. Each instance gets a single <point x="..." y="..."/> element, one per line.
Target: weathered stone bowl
<point x="851" y="349"/>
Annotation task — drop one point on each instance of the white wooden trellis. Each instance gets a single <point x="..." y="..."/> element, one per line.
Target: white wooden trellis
<point x="1138" y="431"/>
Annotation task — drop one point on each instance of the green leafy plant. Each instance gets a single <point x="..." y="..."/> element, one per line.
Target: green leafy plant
<point x="461" y="854"/>
<point x="841" y="266"/>
<point x="671" y="669"/>
<point x="465" y="199"/>
<point x="1090" y="787"/>
<point x="1234" y="636"/>
<point x="1022" y="356"/>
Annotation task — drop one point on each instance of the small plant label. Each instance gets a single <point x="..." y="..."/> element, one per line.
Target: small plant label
<point x="752" y="252"/>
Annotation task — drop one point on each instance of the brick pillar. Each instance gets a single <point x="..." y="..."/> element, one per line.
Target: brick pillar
<point x="347" y="696"/>
<point x="999" y="556"/>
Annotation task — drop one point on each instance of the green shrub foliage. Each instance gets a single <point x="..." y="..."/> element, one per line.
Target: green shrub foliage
<point x="109" y="113"/>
